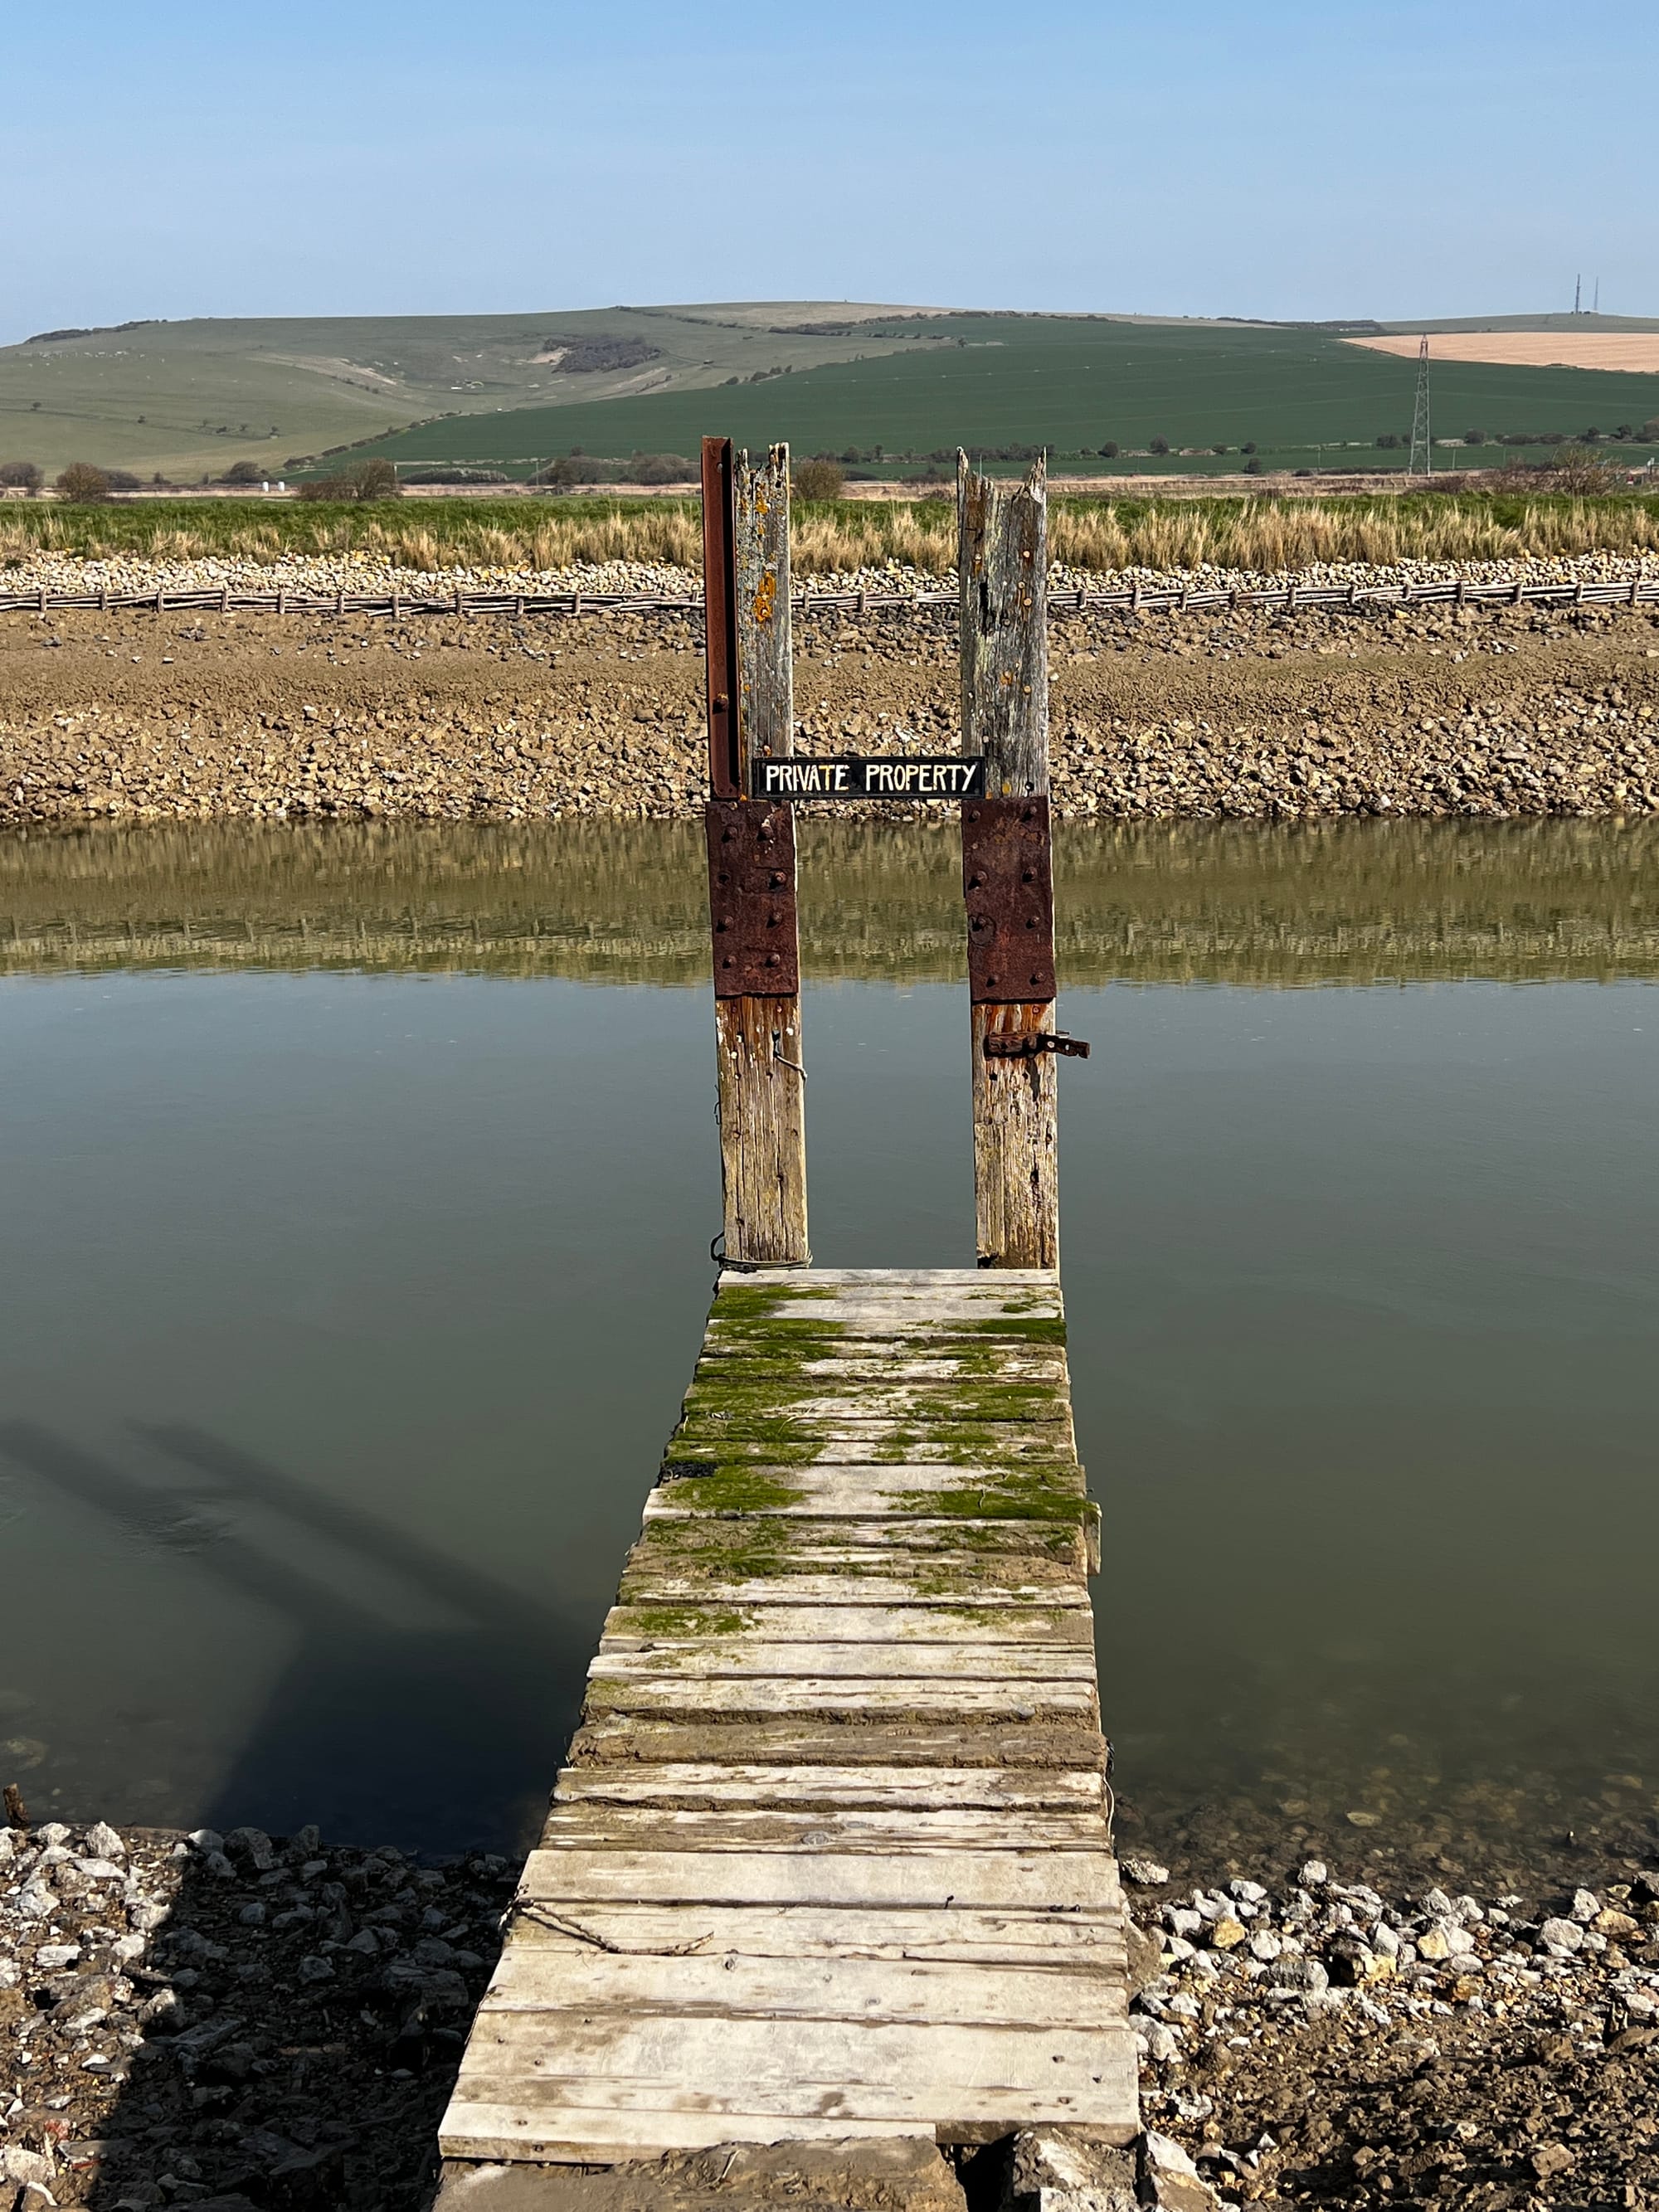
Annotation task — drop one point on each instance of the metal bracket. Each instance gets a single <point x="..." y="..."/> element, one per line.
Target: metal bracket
<point x="752" y="898"/>
<point x="1007" y="882"/>
<point x="1033" y="1044"/>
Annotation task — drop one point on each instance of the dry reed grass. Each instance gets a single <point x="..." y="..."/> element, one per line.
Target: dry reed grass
<point x="1262" y="534"/>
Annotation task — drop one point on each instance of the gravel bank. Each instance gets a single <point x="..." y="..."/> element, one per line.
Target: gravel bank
<point x="231" y="2022"/>
<point x="1477" y="712"/>
<point x="1320" y="2043"/>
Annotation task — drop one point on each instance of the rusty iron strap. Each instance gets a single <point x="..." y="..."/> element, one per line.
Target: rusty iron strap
<point x="720" y="586"/>
<point x="752" y="898"/>
<point x="1007" y="882"/>
<point x="1031" y="1044"/>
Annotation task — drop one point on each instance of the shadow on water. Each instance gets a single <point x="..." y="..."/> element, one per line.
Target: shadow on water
<point x="424" y="1698"/>
<point x="303" y="2008"/>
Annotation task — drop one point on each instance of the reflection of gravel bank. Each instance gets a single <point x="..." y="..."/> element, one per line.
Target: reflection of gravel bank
<point x="1442" y="711"/>
<point x="230" y="2021"/>
<point x="1321" y="2045"/>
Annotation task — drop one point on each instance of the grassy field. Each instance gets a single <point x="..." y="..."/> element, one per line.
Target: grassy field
<point x="187" y="399"/>
<point x="1301" y="397"/>
<point x="1265" y="533"/>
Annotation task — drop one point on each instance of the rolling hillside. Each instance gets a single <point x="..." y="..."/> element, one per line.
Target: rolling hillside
<point x="188" y="397"/>
<point x="186" y="400"/>
<point x="1073" y="384"/>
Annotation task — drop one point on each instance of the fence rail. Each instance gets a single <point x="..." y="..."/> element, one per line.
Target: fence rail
<point x="1129" y="600"/>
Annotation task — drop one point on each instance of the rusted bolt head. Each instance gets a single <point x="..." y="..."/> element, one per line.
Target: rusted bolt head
<point x="1028" y="876"/>
<point x="777" y="877"/>
<point x="990" y="981"/>
<point x="730" y="961"/>
<point x="721" y="924"/>
<point x="975" y="881"/>
<point x="973" y="814"/>
<point x="775" y="960"/>
<point x="1028" y="814"/>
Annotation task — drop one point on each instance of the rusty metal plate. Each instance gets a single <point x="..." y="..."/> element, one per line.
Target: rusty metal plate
<point x="751" y="899"/>
<point x="1007" y="882"/>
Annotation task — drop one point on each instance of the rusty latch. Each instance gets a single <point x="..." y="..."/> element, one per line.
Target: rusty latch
<point x="1035" y="1042"/>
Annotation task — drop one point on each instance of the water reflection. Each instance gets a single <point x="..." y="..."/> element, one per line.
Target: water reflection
<point x="625" y="902"/>
<point x="351" y="1287"/>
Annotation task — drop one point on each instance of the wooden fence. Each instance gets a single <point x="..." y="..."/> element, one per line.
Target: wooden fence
<point x="1136" y="599"/>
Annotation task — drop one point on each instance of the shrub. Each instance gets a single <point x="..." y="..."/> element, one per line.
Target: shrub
<point x="375" y="479"/>
<point x="577" y="468"/>
<point x="1390" y="441"/>
<point x="659" y="469"/>
<point x="1218" y="449"/>
<point x="1253" y="468"/>
<point x="122" y="480"/>
<point x="80" y="482"/>
<point x="1249" y="447"/>
<point x="817" y="479"/>
<point x="1474" y="437"/>
<point x="1111" y="450"/>
<point x="21" y="476"/>
<point x="1158" y="445"/>
<point x="244" y="473"/>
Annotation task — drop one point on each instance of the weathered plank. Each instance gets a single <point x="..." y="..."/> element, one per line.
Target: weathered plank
<point x="1089" y="1942"/>
<point x="653" y="1828"/>
<point x="643" y="1628"/>
<point x="889" y="1992"/>
<point x="614" y="1739"/>
<point x="831" y="1697"/>
<point x="705" y="1784"/>
<point x="705" y="1657"/>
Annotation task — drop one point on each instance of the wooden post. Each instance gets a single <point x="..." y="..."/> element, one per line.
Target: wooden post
<point x="751" y="859"/>
<point x="1006" y="864"/>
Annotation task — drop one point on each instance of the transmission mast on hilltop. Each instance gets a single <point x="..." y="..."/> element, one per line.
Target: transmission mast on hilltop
<point x="1420" y="463"/>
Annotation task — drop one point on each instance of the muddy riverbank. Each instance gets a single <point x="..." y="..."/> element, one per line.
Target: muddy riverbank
<point x="1473" y="712"/>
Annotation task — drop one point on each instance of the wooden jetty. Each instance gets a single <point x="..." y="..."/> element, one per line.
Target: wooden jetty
<point x="831" y="1856"/>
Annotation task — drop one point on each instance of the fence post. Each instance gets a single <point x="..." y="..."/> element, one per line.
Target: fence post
<point x="1006" y="864"/>
<point x="751" y="859"/>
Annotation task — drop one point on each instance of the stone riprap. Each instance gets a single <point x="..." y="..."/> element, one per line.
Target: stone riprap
<point x="1475" y="711"/>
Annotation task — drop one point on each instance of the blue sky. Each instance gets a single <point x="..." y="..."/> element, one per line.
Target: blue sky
<point x="1281" y="159"/>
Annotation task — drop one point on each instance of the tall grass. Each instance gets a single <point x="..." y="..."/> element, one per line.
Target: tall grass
<point x="1265" y="533"/>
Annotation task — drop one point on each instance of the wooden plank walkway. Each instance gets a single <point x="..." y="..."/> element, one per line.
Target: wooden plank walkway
<point x="831" y="1856"/>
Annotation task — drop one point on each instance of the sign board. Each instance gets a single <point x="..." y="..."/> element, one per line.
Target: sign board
<point x="889" y="776"/>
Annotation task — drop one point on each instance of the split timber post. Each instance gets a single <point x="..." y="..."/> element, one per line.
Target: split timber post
<point x="751" y="859"/>
<point x="1006" y="867"/>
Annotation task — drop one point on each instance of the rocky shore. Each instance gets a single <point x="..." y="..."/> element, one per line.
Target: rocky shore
<point x="244" y="2023"/>
<point x="1476" y="712"/>
<point x="231" y="2022"/>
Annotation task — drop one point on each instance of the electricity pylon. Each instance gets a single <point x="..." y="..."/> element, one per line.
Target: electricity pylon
<point x="1421" y="463"/>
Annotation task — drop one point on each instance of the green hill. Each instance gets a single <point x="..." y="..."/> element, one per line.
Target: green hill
<point x="190" y="398"/>
<point x="1073" y="383"/>
<point x="186" y="400"/>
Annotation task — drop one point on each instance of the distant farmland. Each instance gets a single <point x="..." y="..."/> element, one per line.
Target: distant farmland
<point x="1297" y="396"/>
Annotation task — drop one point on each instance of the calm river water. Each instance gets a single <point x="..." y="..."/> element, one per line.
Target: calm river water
<point x="358" y="1191"/>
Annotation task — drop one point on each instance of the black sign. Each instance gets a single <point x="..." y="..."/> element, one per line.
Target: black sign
<point x="889" y="775"/>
